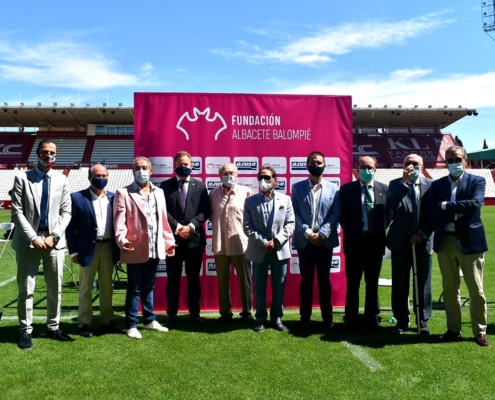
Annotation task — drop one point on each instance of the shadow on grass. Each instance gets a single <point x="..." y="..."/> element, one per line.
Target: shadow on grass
<point x="209" y="326"/>
<point x="11" y="333"/>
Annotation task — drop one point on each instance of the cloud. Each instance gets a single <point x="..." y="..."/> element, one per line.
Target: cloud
<point x="333" y="41"/>
<point x="409" y="87"/>
<point x="64" y="64"/>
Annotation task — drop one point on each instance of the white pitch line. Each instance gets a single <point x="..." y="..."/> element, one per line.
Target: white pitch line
<point x="8" y="281"/>
<point x="363" y="356"/>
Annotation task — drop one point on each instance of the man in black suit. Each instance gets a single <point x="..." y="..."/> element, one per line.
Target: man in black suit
<point x="364" y="219"/>
<point x="410" y="229"/>
<point x="188" y="207"/>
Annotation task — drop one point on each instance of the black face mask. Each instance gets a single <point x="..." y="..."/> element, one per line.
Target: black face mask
<point x="183" y="171"/>
<point x="316" y="170"/>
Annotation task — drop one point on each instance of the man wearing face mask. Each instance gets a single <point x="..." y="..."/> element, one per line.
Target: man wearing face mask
<point x="460" y="242"/>
<point x="41" y="208"/>
<point x="410" y="229"/>
<point x="364" y="219"/>
<point x="144" y="237"/>
<point x="230" y="242"/>
<point x="188" y="208"/>
<point x="91" y="242"/>
<point x="316" y="205"/>
<point x="268" y="224"/>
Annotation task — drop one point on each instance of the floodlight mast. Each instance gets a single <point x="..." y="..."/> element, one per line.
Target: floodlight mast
<point x="488" y="17"/>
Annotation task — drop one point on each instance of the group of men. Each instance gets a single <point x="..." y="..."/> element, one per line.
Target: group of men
<point x="142" y="223"/>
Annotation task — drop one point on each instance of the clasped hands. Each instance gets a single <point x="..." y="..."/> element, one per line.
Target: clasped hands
<point x="185" y="232"/>
<point x="315" y="239"/>
<point x="43" y="244"/>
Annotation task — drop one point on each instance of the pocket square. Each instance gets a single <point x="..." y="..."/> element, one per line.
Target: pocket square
<point x="281" y="208"/>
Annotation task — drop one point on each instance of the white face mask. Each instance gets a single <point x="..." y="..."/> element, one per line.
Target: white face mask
<point x="142" y="176"/>
<point x="228" y="180"/>
<point x="265" y="185"/>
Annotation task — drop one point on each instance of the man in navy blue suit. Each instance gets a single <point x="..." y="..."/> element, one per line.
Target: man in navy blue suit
<point x="91" y="241"/>
<point x="455" y="206"/>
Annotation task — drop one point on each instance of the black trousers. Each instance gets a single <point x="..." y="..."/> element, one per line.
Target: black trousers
<point x="401" y="281"/>
<point x="193" y="259"/>
<point x="320" y="258"/>
<point x="367" y="260"/>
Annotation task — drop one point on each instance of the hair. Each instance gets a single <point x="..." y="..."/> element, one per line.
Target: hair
<point x="141" y="158"/>
<point x="269" y="168"/>
<point x="227" y="165"/>
<point x="182" y="154"/>
<point x="413" y="154"/>
<point x="90" y="171"/>
<point x="44" y="141"/>
<point x="373" y="158"/>
<point x="315" y="153"/>
<point x="451" y="149"/>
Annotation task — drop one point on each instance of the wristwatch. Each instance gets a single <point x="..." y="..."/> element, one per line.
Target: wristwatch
<point x="55" y="237"/>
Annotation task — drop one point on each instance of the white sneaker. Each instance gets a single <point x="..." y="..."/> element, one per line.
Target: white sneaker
<point x="155" y="326"/>
<point x="133" y="333"/>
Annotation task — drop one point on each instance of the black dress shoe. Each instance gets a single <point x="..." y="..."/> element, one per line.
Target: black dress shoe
<point x="374" y="325"/>
<point x="259" y="328"/>
<point x="279" y="326"/>
<point x="171" y="321"/>
<point x="112" y="327"/>
<point x="328" y="325"/>
<point x="303" y="324"/>
<point x="399" y="329"/>
<point x="248" y="318"/>
<point x="353" y="325"/>
<point x="85" y="331"/>
<point x="26" y="343"/>
<point x="59" y="335"/>
<point x="196" y="319"/>
<point x="224" y="318"/>
<point x="449" y="336"/>
<point x="424" y="331"/>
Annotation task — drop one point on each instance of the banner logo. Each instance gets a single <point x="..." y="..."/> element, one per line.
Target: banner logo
<point x="246" y="165"/>
<point x="5" y="149"/>
<point x="217" y="119"/>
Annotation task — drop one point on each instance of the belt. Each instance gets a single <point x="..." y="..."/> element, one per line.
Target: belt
<point x="103" y="240"/>
<point x="449" y="233"/>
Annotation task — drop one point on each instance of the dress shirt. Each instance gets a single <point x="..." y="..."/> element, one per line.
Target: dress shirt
<point x="191" y="225"/>
<point x="267" y="208"/>
<point x="315" y="195"/>
<point x="149" y="205"/>
<point x="227" y="218"/>
<point x="450" y="226"/>
<point x="363" y="203"/>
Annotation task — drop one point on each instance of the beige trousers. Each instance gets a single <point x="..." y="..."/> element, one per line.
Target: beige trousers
<point x="450" y="260"/>
<point x="244" y="273"/>
<point x="102" y="263"/>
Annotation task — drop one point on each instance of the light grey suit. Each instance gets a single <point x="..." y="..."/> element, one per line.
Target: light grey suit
<point x="26" y="197"/>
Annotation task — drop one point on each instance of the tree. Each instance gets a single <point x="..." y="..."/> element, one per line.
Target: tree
<point x="485" y="146"/>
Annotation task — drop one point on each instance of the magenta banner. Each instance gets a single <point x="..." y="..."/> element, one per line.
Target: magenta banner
<point x="15" y="149"/>
<point x="250" y="131"/>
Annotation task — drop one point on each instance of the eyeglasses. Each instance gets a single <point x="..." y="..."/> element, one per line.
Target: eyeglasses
<point x="366" y="167"/>
<point x="265" y="177"/>
<point x="414" y="164"/>
<point x="456" y="160"/>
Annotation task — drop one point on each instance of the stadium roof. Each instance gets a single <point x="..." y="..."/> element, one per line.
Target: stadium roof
<point x="482" y="155"/>
<point x="80" y="117"/>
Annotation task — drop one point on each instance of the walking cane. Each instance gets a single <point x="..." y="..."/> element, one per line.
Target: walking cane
<point x="416" y="289"/>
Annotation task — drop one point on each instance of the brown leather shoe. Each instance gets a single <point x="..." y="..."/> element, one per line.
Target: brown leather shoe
<point x="482" y="340"/>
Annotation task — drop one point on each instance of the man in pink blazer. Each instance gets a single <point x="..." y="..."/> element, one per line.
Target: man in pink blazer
<point x="144" y="237"/>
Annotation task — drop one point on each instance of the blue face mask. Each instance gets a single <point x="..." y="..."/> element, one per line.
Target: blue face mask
<point x="99" y="183"/>
<point x="228" y="180"/>
<point x="456" y="169"/>
<point x="142" y="176"/>
<point x="414" y="176"/>
<point x="366" y="175"/>
<point x="183" y="171"/>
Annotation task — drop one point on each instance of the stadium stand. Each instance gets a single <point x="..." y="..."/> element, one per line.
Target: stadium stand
<point x="7" y="178"/>
<point x="113" y="151"/>
<point x="70" y="150"/>
<point x="437" y="173"/>
<point x="490" y="185"/>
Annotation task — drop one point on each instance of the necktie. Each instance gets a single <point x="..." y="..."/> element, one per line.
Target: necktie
<point x="414" y="203"/>
<point x="370" y="208"/>
<point x="183" y="194"/>
<point x="44" y="205"/>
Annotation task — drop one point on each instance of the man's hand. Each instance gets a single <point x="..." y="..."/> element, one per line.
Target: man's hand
<point x="75" y="259"/>
<point x="185" y="232"/>
<point x="439" y="204"/>
<point x="417" y="238"/>
<point x="171" y="250"/>
<point x="316" y="239"/>
<point x="270" y="247"/>
<point x="49" y="243"/>
<point x="127" y="248"/>
<point x="407" y="173"/>
<point x="460" y="216"/>
<point x="39" y="244"/>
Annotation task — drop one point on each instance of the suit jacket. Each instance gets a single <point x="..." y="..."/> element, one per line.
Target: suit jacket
<point x="197" y="210"/>
<point x="351" y="213"/>
<point x="26" y="208"/>
<point x="131" y="225"/>
<point x="399" y="204"/>
<point x="82" y="230"/>
<point x="469" y="229"/>
<point x="328" y="213"/>
<point x="257" y="232"/>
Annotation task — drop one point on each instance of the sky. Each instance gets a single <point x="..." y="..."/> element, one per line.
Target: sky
<point x="379" y="52"/>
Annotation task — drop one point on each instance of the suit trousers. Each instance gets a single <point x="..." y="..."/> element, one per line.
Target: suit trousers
<point x="243" y="269"/>
<point x="28" y="263"/>
<point x="367" y="260"/>
<point x="401" y="281"/>
<point x="313" y="257"/>
<point x="450" y="259"/>
<point x="193" y="260"/>
<point x="102" y="263"/>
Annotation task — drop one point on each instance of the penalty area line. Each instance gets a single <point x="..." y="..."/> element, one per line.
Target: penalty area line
<point x="363" y="356"/>
<point x="8" y="281"/>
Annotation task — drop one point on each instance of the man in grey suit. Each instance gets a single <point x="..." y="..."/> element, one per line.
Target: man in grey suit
<point x="268" y="224"/>
<point x="41" y="210"/>
<point x="410" y="229"/>
<point x="316" y="205"/>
